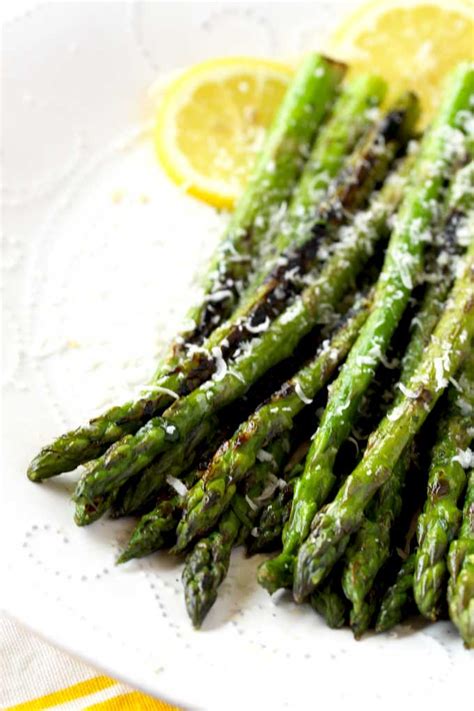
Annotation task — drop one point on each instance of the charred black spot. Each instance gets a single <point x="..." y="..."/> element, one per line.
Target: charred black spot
<point x="390" y="125"/>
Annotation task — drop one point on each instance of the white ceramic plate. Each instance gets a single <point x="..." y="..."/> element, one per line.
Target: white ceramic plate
<point x="99" y="256"/>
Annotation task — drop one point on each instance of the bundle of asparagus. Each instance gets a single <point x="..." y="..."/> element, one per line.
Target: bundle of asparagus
<point x="353" y="242"/>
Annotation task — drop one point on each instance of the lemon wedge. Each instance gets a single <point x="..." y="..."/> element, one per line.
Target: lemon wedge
<point x="211" y="123"/>
<point x="413" y="44"/>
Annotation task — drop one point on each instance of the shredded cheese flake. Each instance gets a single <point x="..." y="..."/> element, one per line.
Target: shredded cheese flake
<point x="264" y="456"/>
<point x="301" y="394"/>
<point x="406" y="391"/>
<point x="252" y="505"/>
<point x="465" y="458"/>
<point x="160" y="389"/>
<point x="221" y="365"/>
<point x="260" y="328"/>
<point x="177" y="485"/>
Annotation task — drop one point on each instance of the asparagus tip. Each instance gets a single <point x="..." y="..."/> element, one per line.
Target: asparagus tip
<point x="276" y="573"/>
<point x="125" y="557"/>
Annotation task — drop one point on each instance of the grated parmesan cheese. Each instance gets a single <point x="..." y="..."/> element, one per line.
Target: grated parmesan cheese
<point x="394" y="414"/>
<point x="441" y="380"/>
<point x="260" y="328"/>
<point x="217" y="296"/>
<point x="302" y="396"/>
<point x="406" y="391"/>
<point x="221" y="365"/>
<point x="252" y="505"/>
<point x="177" y="485"/>
<point x="264" y="456"/>
<point x="465" y="458"/>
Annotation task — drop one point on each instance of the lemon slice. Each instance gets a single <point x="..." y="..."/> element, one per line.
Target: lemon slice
<point x="411" y="43"/>
<point x="211" y="122"/>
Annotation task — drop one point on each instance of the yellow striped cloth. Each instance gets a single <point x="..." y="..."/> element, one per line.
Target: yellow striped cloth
<point x="35" y="676"/>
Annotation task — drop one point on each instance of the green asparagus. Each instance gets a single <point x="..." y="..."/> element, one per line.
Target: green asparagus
<point x="337" y="137"/>
<point x="403" y="262"/>
<point x="366" y="167"/>
<point x="173" y="462"/>
<point x="329" y="602"/>
<point x="156" y="528"/>
<point x="336" y="140"/>
<point x="133" y="453"/>
<point x="371" y="546"/>
<point x="277" y="169"/>
<point x="397" y="598"/>
<point x="134" y="496"/>
<point x="461" y="570"/>
<point x="332" y="527"/>
<point x="236" y="457"/>
<point x="270" y="186"/>
<point x="207" y="564"/>
<point x="450" y="243"/>
<point x="327" y="191"/>
<point x="361" y="617"/>
<point x="441" y="517"/>
<point x="267" y="532"/>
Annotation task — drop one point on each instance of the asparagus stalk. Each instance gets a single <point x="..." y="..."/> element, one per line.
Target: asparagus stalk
<point x="450" y="244"/>
<point x="332" y="527"/>
<point x="207" y="564"/>
<point x="362" y="616"/>
<point x="133" y="453"/>
<point x="367" y="166"/>
<point x="352" y="113"/>
<point x="329" y="602"/>
<point x="371" y="546"/>
<point x="173" y="463"/>
<point x="208" y="498"/>
<point x="441" y="517"/>
<point x="277" y="168"/>
<point x="461" y="570"/>
<point x="267" y="532"/>
<point x="181" y="379"/>
<point x="237" y="456"/>
<point x="287" y="144"/>
<point x="156" y="529"/>
<point x="276" y="286"/>
<point x="397" y="598"/>
<point x="134" y="496"/>
<point x="403" y="262"/>
<point x="86" y="512"/>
